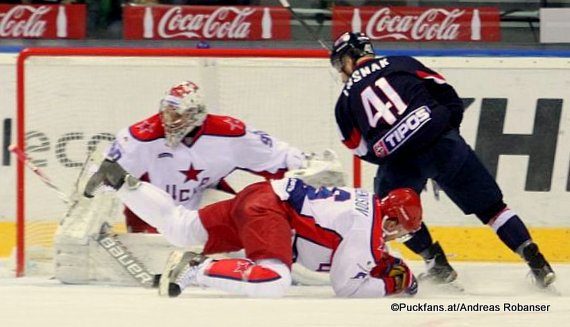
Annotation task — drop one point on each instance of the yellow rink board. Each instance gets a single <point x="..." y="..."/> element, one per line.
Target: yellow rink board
<point x="482" y="244"/>
<point x="460" y="243"/>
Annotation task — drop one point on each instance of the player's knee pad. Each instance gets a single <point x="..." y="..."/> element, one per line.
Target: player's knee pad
<point x="268" y="278"/>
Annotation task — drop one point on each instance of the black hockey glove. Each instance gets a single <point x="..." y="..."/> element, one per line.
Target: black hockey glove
<point x="109" y="173"/>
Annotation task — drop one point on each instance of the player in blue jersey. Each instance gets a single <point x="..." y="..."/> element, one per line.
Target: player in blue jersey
<point x="397" y="113"/>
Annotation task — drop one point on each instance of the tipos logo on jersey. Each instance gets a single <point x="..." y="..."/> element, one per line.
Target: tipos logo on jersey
<point x="402" y="131"/>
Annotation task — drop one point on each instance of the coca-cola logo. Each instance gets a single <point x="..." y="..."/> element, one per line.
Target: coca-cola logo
<point x="224" y="22"/>
<point x="23" y="21"/>
<point x="432" y="24"/>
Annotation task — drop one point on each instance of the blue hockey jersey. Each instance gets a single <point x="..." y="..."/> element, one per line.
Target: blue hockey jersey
<point x="395" y="105"/>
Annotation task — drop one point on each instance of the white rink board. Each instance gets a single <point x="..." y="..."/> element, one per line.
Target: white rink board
<point x="7" y="111"/>
<point x="520" y="80"/>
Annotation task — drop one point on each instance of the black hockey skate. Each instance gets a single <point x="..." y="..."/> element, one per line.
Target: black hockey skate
<point x="180" y="272"/>
<point x="110" y="174"/>
<point x="540" y="268"/>
<point x="439" y="270"/>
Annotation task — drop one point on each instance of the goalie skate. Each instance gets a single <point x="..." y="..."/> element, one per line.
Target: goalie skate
<point x="180" y="272"/>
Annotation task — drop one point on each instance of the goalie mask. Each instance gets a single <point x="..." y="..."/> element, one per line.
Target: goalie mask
<point x="182" y="109"/>
<point x="353" y="45"/>
<point x="401" y="213"/>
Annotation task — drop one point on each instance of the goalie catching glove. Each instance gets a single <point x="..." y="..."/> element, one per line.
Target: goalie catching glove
<point x="110" y="174"/>
<point x="397" y="276"/>
<point x="320" y="170"/>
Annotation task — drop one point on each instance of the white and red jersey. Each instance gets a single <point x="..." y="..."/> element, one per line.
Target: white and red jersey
<point x="338" y="230"/>
<point x="221" y="145"/>
<point x="333" y="229"/>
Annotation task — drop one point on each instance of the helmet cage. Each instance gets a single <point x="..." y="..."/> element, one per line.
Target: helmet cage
<point x="181" y="112"/>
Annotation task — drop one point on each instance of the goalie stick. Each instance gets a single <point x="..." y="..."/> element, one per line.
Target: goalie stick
<point x="132" y="265"/>
<point x="107" y="240"/>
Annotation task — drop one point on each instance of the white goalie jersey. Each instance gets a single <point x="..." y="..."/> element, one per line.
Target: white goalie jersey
<point x="336" y="230"/>
<point x="220" y="146"/>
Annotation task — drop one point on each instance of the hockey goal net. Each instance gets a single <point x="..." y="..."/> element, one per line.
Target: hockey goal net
<point x="73" y="101"/>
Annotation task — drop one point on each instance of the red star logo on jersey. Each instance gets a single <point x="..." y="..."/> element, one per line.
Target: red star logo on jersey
<point x="234" y="123"/>
<point x="145" y="127"/>
<point x="191" y="173"/>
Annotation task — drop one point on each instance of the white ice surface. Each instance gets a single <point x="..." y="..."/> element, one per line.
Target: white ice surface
<point x="39" y="302"/>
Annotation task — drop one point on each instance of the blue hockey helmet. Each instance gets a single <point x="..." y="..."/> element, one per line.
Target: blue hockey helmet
<point x="354" y="45"/>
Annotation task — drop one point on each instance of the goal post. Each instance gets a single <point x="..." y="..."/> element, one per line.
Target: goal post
<point x="73" y="100"/>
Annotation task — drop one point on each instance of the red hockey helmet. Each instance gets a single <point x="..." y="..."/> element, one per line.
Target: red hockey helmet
<point x="403" y="205"/>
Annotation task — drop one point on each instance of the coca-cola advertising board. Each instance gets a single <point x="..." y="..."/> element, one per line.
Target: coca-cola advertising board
<point x="419" y="23"/>
<point x="206" y="22"/>
<point x="42" y="21"/>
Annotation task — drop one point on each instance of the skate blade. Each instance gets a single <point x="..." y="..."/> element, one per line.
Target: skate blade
<point x="453" y="286"/>
<point x="171" y="263"/>
<point x="549" y="289"/>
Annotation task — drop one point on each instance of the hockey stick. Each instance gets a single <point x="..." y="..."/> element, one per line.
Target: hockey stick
<point x="287" y="6"/>
<point x="105" y="239"/>
<point x="26" y="160"/>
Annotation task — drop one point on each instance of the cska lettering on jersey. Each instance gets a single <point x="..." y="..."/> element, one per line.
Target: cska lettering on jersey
<point x="185" y="194"/>
<point x="401" y="132"/>
<point x="362" y="72"/>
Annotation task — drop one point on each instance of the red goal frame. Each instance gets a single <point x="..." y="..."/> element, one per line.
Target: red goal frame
<point x="124" y="52"/>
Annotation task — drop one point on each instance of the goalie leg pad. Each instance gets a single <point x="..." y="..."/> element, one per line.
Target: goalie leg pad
<point x="83" y="255"/>
<point x="87" y="261"/>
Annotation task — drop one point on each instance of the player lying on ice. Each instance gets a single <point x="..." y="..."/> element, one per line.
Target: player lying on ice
<point x="341" y="230"/>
